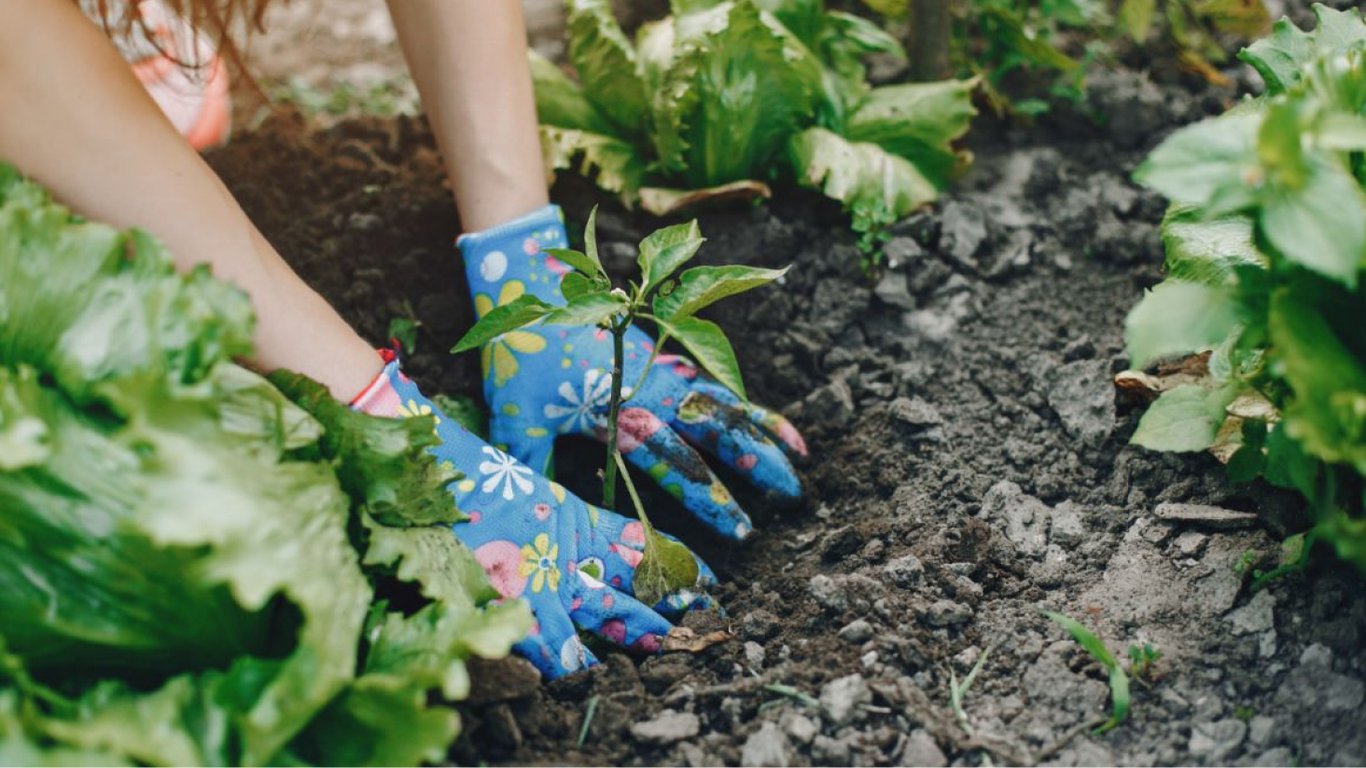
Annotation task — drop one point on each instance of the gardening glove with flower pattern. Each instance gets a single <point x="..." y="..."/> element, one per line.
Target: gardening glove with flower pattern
<point x="545" y="381"/>
<point x="574" y="563"/>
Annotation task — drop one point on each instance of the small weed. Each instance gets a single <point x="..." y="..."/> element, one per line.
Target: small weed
<point x="403" y="329"/>
<point x="1119" y="681"/>
<point x="1141" y="662"/>
<point x="958" y="690"/>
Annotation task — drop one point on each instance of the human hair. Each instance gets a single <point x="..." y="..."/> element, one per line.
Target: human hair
<point x="154" y="23"/>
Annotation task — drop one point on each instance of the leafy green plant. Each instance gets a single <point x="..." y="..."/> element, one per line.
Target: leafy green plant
<point x="1142" y="660"/>
<point x="721" y="98"/>
<point x="1119" y="681"/>
<point x="194" y="559"/>
<point x="671" y="302"/>
<point x="1266" y="247"/>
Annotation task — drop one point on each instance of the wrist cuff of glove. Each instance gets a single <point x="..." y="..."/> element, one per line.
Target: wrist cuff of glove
<point x="511" y="251"/>
<point x="380" y="398"/>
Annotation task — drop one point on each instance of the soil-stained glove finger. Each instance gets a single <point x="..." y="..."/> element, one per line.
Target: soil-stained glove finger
<point x="619" y="618"/>
<point x="654" y="447"/>
<point x="770" y="421"/>
<point x="727" y="432"/>
<point x="553" y="646"/>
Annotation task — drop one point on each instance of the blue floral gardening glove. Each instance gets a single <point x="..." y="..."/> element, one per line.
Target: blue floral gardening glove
<point x="545" y="381"/>
<point x="574" y="563"/>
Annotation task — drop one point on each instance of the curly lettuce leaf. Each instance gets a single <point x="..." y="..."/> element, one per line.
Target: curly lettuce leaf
<point x="876" y="186"/>
<point x="606" y="63"/>
<point x="741" y="85"/>
<point x="612" y="163"/>
<point x="560" y="101"/>
<point x="1208" y="251"/>
<point x="919" y="122"/>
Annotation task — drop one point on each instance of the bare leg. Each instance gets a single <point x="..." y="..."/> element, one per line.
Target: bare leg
<point x="76" y="120"/>
<point x="468" y="58"/>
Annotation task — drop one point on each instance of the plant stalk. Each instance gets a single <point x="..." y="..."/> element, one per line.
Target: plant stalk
<point x="931" y="29"/>
<point x="609" y="480"/>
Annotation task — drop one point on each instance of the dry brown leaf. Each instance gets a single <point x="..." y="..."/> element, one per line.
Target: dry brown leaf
<point x="685" y="640"/>
<point x="665" y="202"/>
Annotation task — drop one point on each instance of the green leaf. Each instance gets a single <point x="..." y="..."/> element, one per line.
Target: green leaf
<point x="1281" y="58"/>
<point x="380" y="720"/>
<point x="919" y="122"/>
<point x="521" y="312"/>
<point x="1342" y="132"/>
<point x="1288" y="466"/>
<point x="1136" y="17"/>
<point x="1183" y="420"/>
<point x="574" y="285"/>
<point x="1177" y="318"/>
<point x="741" y="86"/>
<point x="561" y="102"/>
<point x="590" y="244"/>
<point x="1196" y="162"/>
<point x="708" y="345"/>
<point x="611" y="163"/>
<point x="1119" y="699"/>
<point x="875" y="185"/>
<point x="1322" y="224"/>
<point x="663" y="251"/>
<point x="606" y="63"/>
<point x="1084" y="637"/>
<point x="667" y="567"/>
<point x="465" y="411"/>
<point x="577" y="260"/>
<point x="1327" y="408"/>
<point x="701" y="287"/>
<point x="588" y="309"/>
<point x="1207" y="251"/>
<point x="404" y="331"/>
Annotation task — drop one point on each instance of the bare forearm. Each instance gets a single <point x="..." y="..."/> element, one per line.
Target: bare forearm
<point x="468" y="58"/>
<point x="77" y="120"/>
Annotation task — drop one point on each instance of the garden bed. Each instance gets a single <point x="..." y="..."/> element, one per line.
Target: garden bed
<point x="969" y="467"/>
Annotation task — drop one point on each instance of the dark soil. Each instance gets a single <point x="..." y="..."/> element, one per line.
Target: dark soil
<point x="969" y="467"/>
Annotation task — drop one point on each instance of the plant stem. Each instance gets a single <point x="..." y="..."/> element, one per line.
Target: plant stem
<point x="931" y="28"/>
<point x="654" y="355"/>
<point x="635" y="498"/>
<point x="609" y="481"/>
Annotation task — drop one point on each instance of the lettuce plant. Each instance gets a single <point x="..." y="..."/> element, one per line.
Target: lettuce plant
<point x="194" y="559"/>
<point x="721" y="98"/>
<point x="1266" y="261"/>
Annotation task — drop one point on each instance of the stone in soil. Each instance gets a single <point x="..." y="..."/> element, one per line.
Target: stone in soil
<point x="1204" y="515"/>
<point x="1023" y="518"/>
<point x="1083" y="396"/>
<point x="766" y="746"/>
<point x="921" y="749"/>
<point x="841" y="699"/>
<point x="1217" y="741"/>
<point x="666" y="728"/>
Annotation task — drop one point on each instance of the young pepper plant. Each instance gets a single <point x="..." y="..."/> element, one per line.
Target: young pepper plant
<point x="670" y="300"/>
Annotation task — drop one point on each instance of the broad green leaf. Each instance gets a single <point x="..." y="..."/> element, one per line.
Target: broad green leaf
<point x="700" y="287"/>
<point x="560" y="101"/>
<point x="522" y="311"/>
<point x="919" y="122"/>
<point x="1288" y="466"/>
<point x="1183" y="420"/>
<point x="665" y="250"/>
<point x="1195" y="162"/>
<point x="667" y="567"/>
<point x="1281" y="58"/>
<point x="1207" y="251"/>
<point x="465" y="411"/>
<point x="1320" y="225"/>
<point x="609" y="162"/>
<point x="873" y="184"/>
<point x="606" y="63"/>
<point x="1327" y="378"/>
<point x="381" y="720"/>
<point x="708" y="345"/>
<point x="1178" y="318"/>
<point x="1136" y="17"/>
<point x="1342" y="132"/>
<point x="589" y="309"/>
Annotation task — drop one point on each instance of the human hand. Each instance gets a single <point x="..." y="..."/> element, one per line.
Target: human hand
<point x="544" y="381"/>
<point x="574" y="563"/>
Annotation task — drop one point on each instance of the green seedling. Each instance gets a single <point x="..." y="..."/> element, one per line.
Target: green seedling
<point x="403" y="329"/>
<point x="1119" y="681"/>
<point x="662" y="296"/>
<point x="1141" y="661"/>
<point x="958" y="690"/>
<point x="1266" y="274"/>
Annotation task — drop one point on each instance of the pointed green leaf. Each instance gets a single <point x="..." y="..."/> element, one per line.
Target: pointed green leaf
<point x="1195" y="162"/>
<point x="1136" y="18"/>
<point x="667" y="249"/>
<point x="590" y="244"/>
<point x="577" y="260"/>
<point x="523" y="311"/>
<point x="700" y="287"/>
<point x="1084" y="637"/>
<point x="588" y="309"/>
<point x="576" y="284"/>
<point x="708" y="345"/>
<point x="1322" y="224"/>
